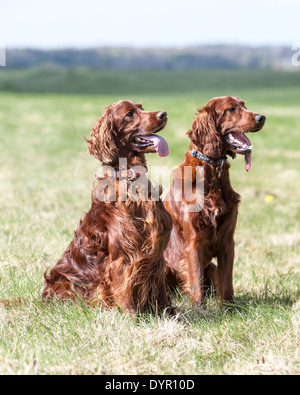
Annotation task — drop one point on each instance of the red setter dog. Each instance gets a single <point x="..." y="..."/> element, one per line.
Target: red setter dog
<point x="116" y="255"/>
<point x="219" y="130"/>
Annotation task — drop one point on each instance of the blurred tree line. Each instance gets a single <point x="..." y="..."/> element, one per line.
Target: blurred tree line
<point x="198" y="57"/>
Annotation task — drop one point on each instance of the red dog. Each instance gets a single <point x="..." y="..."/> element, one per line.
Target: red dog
<point x="116" y="255"/>
<point x="219" y="130"/>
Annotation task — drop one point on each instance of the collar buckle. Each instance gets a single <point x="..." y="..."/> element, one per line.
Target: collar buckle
<point x="134" y="175"/>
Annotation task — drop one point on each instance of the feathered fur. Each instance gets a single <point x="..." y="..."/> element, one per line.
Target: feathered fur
<point x="198" y="237"/>
<point x="116" y="255"/>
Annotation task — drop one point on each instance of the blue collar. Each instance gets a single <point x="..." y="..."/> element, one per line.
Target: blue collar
<point x="199" y="155"/>
<point x="217" y="163"/>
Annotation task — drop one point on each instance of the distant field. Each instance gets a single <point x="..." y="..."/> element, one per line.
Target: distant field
<point x="45" y="182"/>
<point x="145" y="82"/>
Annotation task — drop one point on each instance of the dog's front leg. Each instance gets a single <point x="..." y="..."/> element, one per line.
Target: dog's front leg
<point x="225" y="272"/>
<point x="163" y="299"/>
<point x="193" y="260"/>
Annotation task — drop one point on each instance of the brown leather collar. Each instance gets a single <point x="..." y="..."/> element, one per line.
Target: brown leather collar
<point x="130" y="174"/>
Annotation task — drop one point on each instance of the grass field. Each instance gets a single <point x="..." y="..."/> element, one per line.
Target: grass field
<point x="45" y="182"/>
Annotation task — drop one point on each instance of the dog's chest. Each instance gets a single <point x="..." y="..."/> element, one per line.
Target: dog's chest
<point x="145" y="230"/>
<point x="219" y="218"/>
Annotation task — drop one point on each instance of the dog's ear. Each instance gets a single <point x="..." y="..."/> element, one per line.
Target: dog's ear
<point x="203" y="126"/>
<point x="204" y="132"/>
<point x="101" y="143"/>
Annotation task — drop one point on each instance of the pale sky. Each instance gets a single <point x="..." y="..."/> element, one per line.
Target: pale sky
<point x="164" y="23"/>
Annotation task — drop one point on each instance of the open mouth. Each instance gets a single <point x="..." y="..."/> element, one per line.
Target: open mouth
<point x="152" y="141"/>
<point x="240" y="143"/>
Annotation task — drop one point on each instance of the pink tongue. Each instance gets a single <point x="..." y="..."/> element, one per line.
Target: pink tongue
<point x="160" y="144"/>
<point x="248" y="161"/>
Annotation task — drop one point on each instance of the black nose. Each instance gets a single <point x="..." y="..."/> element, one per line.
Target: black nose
<point x="260" y="118"/>
<point x="162" y="115"/>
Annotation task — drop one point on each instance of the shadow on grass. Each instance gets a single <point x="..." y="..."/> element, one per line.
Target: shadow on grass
<point x="244" y="305"/>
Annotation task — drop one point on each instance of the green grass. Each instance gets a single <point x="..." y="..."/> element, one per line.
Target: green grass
<point x="45" y="182"/>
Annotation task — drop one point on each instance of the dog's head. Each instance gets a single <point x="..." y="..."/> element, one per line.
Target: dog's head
<point x="126" y="129"/>
<point x="221" y="128"/>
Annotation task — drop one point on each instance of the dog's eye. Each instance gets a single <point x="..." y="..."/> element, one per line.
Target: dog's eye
<point x="129" y="114"/>
<point x="231" y="109"/>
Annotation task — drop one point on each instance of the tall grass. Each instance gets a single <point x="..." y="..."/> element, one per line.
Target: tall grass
<point x="45" y="182"/>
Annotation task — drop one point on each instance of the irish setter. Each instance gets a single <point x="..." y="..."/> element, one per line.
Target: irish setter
<point x="116" y="255"/>
<point x="219" y="130"/>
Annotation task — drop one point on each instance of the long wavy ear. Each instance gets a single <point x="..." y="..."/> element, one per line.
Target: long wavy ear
<point x="101" y="143"/>
<point x="204" y="133"/>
